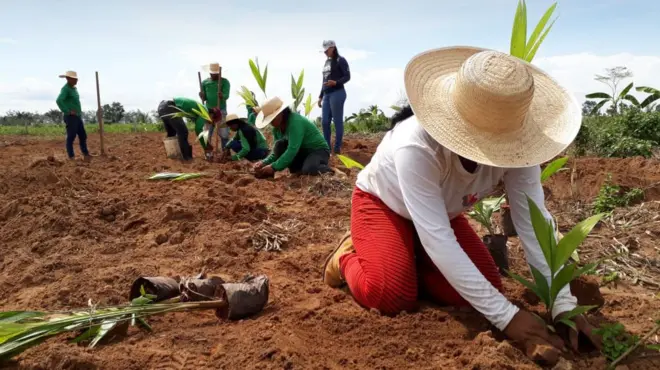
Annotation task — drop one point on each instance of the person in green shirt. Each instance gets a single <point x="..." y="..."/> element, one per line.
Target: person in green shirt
<point x="216" y="99"/>
<point x="299" y="145"/>
<point x="248" y="143"/>
<point x="175" y="126"/>
<point x="69" y="103"/>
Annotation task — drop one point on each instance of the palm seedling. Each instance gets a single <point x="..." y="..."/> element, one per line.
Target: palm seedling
<point x="557" y="255"/>
<point x="297" y="89"/>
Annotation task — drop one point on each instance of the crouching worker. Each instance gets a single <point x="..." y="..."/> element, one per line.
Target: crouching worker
<point x="299" y="145"/>
<point x="248" y="142"/>
<point x="476" y="117"/>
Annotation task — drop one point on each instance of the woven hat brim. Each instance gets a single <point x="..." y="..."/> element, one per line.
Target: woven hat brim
<point x="552" y="122"/>
<point x="263" y="121"/>
<point x="236" y="119"/>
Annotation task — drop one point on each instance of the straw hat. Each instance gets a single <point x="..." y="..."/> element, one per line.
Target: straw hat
<point x="213" y="68"/>
<point x="256" y="109"/>
<point x="490" y="107"/>
<point x="269" y="110"/>
<point x="70" y="74"/>
<point x="233" y="117"/>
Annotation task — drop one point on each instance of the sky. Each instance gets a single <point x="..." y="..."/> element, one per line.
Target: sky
<point x="147" y="51"/>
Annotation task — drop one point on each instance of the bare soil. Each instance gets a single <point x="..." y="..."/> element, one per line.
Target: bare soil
<point x="74" y="231"/>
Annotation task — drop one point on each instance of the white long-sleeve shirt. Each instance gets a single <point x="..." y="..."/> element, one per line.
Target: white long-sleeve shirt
<point x="422" y="181"/>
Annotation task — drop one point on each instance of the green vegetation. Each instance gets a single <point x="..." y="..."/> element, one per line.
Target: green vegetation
<point x="557" y="256"/>
<point x="483" y="210"/>
<point x="59" y="129"/>
<point x="524" y="48"/>
<point x="612" y="196"/>
<point x="368" y="120"/>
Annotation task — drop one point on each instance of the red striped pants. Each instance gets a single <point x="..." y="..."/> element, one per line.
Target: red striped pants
<point x="390" y="267"/>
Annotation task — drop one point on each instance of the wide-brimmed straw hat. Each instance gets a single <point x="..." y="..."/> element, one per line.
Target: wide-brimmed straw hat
<point x="234" y="117"/>
<point x="269" y="110"/>
<point x="213" y="68"/>
<point x="490" y="107"/>
<point x="69" y="74"/>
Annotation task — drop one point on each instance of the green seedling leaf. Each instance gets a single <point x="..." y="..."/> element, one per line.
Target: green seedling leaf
<point x="86" y="335"/>
<point x="256" y="73"/>
<point x="534" y="38"/>
<point x="563" y="278"/>
<point x="528" y="284"/>
<point x="165" y="175"/>
<point x="568" y="323"/>
<point x="553" y="167"/>
<point x="532" y="53"/>
<point x="301" y="78"/>
<point x="349" y="163"/>
<point x="105" y="328"/>
<point x="142" y="291"/>
<point x="542" y="286"/>
<point x="144" y="325"/>
<point x="308" y="105"/>
<point x="569" y="243"/>
<point x="15" y="316"/>
<point x="544" y="233"/>
<point x="188" y="176"/>
<point x="264" y="79"/>
<point x="519" y="32"/>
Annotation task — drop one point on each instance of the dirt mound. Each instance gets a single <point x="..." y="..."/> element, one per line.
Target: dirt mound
<point x="73" y="231"/>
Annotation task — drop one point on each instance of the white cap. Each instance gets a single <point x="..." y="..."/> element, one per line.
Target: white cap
<point x="327" y="44"/>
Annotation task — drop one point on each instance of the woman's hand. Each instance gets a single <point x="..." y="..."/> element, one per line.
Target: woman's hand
<point x="320" y="102"/>
<point x="331" y="83"/>
<point x="257" y="166"/>
<point x="266" y="171"/>
<point x="583" y="338"/>
<point x="530" y="331"/>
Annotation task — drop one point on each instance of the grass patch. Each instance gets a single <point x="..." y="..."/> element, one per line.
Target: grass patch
<point x="60" y="130"/>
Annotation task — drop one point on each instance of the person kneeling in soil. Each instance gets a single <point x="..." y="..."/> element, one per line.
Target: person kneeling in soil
<point x="248" y="142"/>
<point x="480" y="116"/>
<point x="176" y="126"/>
<point x="299" y="145"/>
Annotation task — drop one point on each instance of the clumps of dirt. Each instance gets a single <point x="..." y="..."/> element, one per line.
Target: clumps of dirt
<point x="49" y="161"/>
<point x="177" y="212"/>
<point x="587" y="291"/>
<point x="485" y="352"/>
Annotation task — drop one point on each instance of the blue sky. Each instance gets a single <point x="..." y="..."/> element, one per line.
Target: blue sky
<point x="148" y="51"/>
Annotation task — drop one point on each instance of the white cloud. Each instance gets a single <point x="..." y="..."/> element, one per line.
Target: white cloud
<point x="7" y="40"/>
<point x="576" y="71"/>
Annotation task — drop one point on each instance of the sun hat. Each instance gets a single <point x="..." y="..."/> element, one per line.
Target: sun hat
<point x="213" y="68"/>
<point x="234" y="117"/>
<point x="490" y="107"/>
<point x="70" y="74"/>
<point x="327" y="44"/>
<point x="256" y="109"/>
<point x="269" y="110"/>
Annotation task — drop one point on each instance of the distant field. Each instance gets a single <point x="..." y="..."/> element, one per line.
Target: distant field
<point x="56" y="130"/>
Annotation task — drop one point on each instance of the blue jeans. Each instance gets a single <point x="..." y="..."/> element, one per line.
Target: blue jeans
<point x="256" y="154"/>
<point x="75" y="127"/>
<point x="332" y="109"/>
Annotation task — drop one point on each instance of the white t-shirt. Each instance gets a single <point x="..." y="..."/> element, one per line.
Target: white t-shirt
<point x="422" y="181"/>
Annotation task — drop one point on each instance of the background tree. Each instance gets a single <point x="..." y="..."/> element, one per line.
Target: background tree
<point x="113" y="113"/>
<point x="588" y="108"/>
<point x="613" y="78"/>
<point x="53" y="116"/>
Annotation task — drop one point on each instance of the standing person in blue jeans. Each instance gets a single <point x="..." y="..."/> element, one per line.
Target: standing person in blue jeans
<point x="333" y="95"/>
<point x="69" y="103"/>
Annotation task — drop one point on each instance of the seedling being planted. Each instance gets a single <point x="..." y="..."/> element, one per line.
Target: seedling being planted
<point x="557" y="255"/>
<point x="482" y="212"/>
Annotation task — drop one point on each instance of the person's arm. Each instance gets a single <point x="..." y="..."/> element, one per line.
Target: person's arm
<point x="520" y="183"/>
<point x="271" y="157"/>
<point x="419" y="177"/>
<point x="345" y="72"/>
<point x="61" y="99"/>
<point x="225" y="89"/>
<point x="245" y="147"/>
<point x="296" y="134"/>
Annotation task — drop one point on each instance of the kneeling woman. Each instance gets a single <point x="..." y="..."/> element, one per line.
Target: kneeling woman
<point x="299" y="145"/>
<point x="248" y="142"/>
<point x="479" y="117"/>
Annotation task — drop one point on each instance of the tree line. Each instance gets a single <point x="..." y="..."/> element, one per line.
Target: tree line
<point x="112" y="113"/>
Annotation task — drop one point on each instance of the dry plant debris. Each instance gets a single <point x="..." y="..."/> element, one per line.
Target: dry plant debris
<point x="270" y="236"/>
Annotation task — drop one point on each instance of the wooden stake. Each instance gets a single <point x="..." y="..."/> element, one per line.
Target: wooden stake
<point x="99" y="114"/>
<point x="217" y="125"/>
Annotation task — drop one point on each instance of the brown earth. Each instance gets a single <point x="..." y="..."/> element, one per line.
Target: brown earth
<point x="74" y="231"/>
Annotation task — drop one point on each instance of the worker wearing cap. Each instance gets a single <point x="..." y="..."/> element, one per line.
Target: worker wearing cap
<point x="333" y="95"/>
<point x="69" y="103"/>
<point x="216" y="99"/>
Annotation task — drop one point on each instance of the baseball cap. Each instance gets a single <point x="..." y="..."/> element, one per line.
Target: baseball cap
<point x="327" y="44"/>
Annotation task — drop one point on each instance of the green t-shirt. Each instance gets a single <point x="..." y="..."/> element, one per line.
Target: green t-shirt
<point x="210" y="89"/>
<point x="301" y="134"/>
<point x="187" y="105"/>
<point x="69" y="100"/>
<point x="245" y="144"/>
